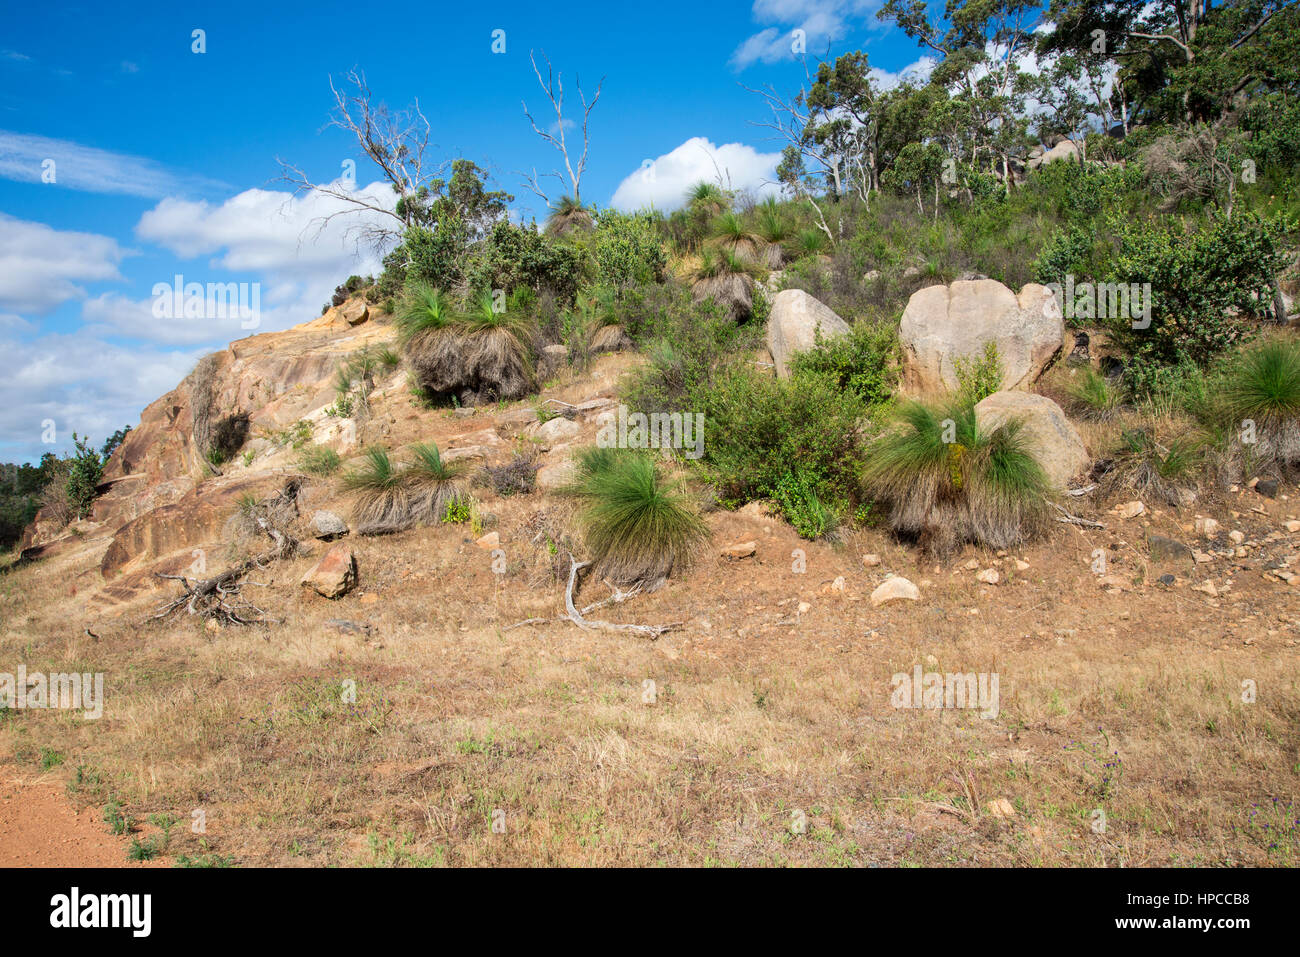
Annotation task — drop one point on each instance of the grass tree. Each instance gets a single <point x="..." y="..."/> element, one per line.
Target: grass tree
<point x="434" y="483"/>
<point x="567" y="215"/>
<point x="637" y="526"/>
<point x="724" y="277"/>
<point x="383" y="499"/>
<point x="946" y="481"/>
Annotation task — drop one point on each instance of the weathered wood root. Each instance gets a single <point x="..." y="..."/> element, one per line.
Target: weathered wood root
<point x="573" y="614"/>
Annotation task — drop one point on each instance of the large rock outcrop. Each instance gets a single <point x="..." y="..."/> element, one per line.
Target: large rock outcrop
<point x="942" y="324"/>
<point x="1047" y="432"/>
<point x="793" y="326"/>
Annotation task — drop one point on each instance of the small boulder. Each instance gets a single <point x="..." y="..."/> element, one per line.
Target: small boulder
<point x="739" y="550"/>
<point x="334" y="575"/>
<point x="1130" y="509"/>
<point x="989" y="576"/>
<point x="328" y="526"/>
<point x="355" y="311"/>
<point x="489" y="541"/>
<point x="894" y="589"/>
<point x="1167" y="548"/>
<point x="556" y="430"/>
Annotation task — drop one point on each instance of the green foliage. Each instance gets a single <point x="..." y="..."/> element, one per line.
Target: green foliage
<point x="979" y="378"/>
<point x="85" y="469"/>
<point x="686" y="344"/>
<point x="1263" y="384"/>
<point x="796" y="498"/>
<point x="457" y="512"/>
<point x="637" y="527"/>
<point x="864" y="362"/>
<point x="1204" y="282"/>
<point x="759" y="428"/>
<point x="1092" y="396"/>
<point x="319" y="460"/>
<point x="115" y="816"/>
<point x="431" y="256"/>
<point x="515" y="256"/>
<point x="627" y="250"/>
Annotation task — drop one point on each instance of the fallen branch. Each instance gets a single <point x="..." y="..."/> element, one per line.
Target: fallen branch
<point x="1069" y="519"/>
<point x="572" y="614"/>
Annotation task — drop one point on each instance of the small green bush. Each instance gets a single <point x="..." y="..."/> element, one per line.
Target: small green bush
<point x="865" y="362"/>
<point x="796" y="498"/>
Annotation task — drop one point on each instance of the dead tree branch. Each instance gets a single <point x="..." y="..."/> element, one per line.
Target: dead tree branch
<point x="572" y="613"/>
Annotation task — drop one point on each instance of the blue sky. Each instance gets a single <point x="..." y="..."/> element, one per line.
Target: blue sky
<point x="165" y="159"/>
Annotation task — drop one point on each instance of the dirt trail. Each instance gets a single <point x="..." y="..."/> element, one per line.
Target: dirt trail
<point x="40" y="828"/>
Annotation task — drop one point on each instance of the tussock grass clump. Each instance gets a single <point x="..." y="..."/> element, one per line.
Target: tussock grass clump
<point x="434" y="483"/>
<point x="1145" y="467"/>
<point x="318" y="460"/>
<point x="948" y="482"/>
<point x="637" y="527"/>
<point x="567" y="215"/>
<point x="1092" y="396"/>
<point x="1263" y="387"/>
<point x="383" y="498"/>
<point x="422" y="313"/>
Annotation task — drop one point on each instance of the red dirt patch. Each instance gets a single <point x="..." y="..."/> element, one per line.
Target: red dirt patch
<point x="40" y="828"/>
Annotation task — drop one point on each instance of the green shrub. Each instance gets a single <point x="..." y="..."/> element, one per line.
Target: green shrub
<point x="85" y="469"/>
<point x="758" y="429"/>
<point x="865" y="362"/>
<point x="946" y="481"/>
<point x="638" y="528"/>
<point x="796" y="498"/>
<point x="513" y="256"/>
<point x="977" y="379"/>
<point x="1204" y="284"/>
<point x="627" y="250"/>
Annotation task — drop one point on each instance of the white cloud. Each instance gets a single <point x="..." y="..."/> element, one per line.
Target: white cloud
<point x="664" y="182"/>
<point x="23" y="159"/>
<point x="83" y="384"/>
<point x="277" y="237"/>
<point x="100" y="376"/>
<point x="821" y="22"/>
<point x="41" y="267"/>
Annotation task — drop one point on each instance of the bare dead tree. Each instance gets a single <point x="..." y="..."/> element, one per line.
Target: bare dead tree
<point x="553" y="87"/>
<point x="397" y="142"/>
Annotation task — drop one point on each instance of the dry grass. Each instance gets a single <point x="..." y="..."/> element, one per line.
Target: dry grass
<point x="758" y="711"/>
